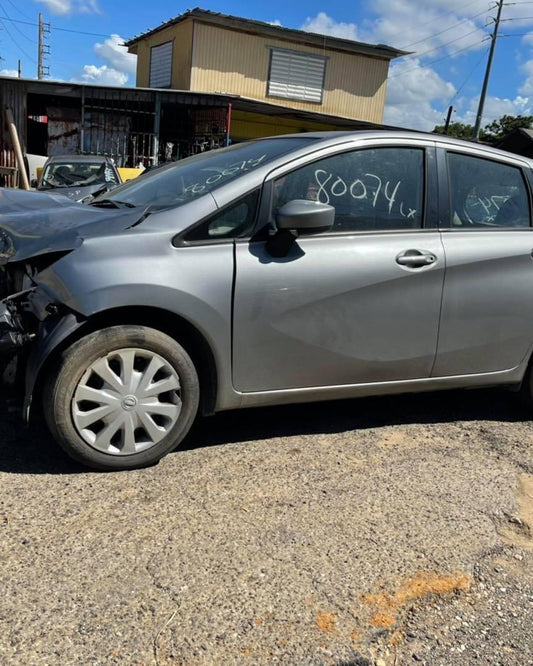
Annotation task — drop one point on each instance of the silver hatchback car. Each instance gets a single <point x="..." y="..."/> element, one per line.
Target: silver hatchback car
<point x="287" y="269"/>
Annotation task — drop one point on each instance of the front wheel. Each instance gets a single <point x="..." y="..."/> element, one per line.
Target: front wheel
<point x="121" y="398"/>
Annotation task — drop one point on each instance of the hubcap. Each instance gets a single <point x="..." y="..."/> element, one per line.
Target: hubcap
<point x="126" y="401"/>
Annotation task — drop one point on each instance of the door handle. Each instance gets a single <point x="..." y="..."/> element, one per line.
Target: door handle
<point x="415" y="258"/>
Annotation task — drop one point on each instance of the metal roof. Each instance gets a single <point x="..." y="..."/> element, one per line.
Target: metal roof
<point x="267" y="29"/>
<point x="173" y="96"/>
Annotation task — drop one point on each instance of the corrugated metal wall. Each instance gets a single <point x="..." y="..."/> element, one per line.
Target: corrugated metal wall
<point x="226" y="61"/>
<point x="12" y="96"/>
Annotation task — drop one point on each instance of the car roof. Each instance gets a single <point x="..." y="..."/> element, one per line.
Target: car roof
<point x="97" y="159"/>
<point x="332" y="137"/>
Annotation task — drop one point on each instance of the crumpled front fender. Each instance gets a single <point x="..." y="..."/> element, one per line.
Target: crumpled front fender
<point x="52" y="333"/>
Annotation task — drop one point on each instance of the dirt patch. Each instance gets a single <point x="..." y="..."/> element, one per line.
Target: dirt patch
<point x="326" y="622"/>
<point x="386" y="605"/>
<point x="517" y="530"/>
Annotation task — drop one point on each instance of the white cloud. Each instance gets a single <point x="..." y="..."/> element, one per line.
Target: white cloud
<point x="527" y="87"/>
<point x="119" y="64"/>
<point x="325" y="25"/>
<point x="495" y="107"/>
<point x="116" y="54"/>
<point x="409" y="82"/>
<point x="411" y="89"/>
<point x="104" y="75"/>
<point x="71" y="6"/>
<point x="417" y="95"/>
<point x="422" y="27"/>
<point x="9" y="72"/>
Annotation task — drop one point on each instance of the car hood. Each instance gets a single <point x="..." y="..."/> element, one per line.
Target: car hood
<point x="32" y="223"/>
<point x="76" y="192"/>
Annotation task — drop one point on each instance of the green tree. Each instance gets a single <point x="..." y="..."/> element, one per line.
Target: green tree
<point x="459" y="130"/>
<point x="497" y="129"/>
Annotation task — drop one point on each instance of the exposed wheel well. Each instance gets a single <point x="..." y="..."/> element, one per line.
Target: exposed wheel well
<point x="173" y="325"/>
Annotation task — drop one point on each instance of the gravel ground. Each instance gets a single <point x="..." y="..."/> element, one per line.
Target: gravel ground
<point x="370" y="532"/>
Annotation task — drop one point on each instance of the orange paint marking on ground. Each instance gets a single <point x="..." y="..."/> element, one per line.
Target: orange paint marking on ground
<point x="386" y="605"/>
<point x="325" y="622"/>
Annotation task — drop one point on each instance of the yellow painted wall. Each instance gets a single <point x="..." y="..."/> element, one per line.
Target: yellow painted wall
<point x="245" y="125"/>
<point x="181" y="35"/>
<point x="226" y="61"/>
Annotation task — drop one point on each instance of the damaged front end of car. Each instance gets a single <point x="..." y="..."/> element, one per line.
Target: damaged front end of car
<point x="27" y="316"/>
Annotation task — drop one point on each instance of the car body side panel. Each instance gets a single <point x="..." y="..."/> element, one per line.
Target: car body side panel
<point x="487" y="309"/>
<point x="336" y="310"/>
<point x="192" y="282"/>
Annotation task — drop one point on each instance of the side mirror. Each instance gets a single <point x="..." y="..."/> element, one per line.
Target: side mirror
<point x="304" y="216"/>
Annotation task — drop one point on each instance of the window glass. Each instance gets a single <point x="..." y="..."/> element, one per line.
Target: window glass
<point x="77" y="174"/>
<point x="178" y="183"/>
<point x="486" y="194"/>
<point x="161" y="65"/>
<point x="234" y="221"/>
<point x="375" y="189"/>
<point x="296" y="75"/>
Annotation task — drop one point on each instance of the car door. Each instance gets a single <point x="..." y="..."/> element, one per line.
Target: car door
<point x="487" y="308"/>
<point x="357" y="304"/>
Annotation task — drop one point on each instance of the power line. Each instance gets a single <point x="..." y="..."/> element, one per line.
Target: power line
<point x="470" y="18"/>
<point x="18" y="10"/>
<point x="19" y="47"/>
<point x="463" y="84"/>
<point x="450" y="55"/>
<point x="452" y="11"/>
<point x="437" y="48"/>
<point x="4" y="16"/>
<point x="77" y="32"/>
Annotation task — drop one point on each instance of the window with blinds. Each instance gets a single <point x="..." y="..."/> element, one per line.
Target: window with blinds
<point x="161" y="65"/>
<point x="296" y="75"/>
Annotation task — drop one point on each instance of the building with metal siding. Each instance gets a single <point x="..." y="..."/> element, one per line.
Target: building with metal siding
<point x="209" y="52"/>
<point x="134" y="125"/>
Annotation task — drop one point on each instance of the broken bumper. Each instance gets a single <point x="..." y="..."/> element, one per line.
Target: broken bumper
<point x="12" y="335"/>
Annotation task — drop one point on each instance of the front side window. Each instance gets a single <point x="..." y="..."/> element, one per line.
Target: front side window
<point x="485" y="194"/>
<point x="296" y="75"/>
<point x="374" y="189"/>
<point x="234" y="221"/>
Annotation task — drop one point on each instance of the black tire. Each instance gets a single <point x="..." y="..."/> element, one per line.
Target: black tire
<point x="75" y="364"/>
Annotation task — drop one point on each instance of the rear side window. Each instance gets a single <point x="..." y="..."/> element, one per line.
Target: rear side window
<point x="485" y="194"/>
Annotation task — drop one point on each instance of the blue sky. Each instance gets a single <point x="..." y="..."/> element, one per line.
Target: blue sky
<point x="450" y="40"/>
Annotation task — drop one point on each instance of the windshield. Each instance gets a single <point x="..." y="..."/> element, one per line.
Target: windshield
<point x="77" y="174"/>
<point x="175" y="184"/>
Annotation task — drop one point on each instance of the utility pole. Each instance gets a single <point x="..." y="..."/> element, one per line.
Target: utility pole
<point x="448" y="118"/>
<point x="487" y="71"/>
<point x="20" y="69"/>
<point x="43" y="49"/>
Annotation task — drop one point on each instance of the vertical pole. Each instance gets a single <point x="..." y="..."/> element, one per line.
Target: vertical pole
<point x="487" y="71"/>
<point x="82" y="121"/>
<point x="228" y="125"/>
<point x="40" y="49"/>
<point x="448" y="118"/>
<point x="157" y="127"/>
<point x="20" y="69"/>
<point x="18" y="150"/>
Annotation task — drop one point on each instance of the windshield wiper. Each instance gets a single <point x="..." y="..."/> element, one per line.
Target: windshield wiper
<point x="112" y="203"/>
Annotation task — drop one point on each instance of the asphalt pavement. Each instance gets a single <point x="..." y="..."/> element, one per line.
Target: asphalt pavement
<point x="369" y="532"/>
